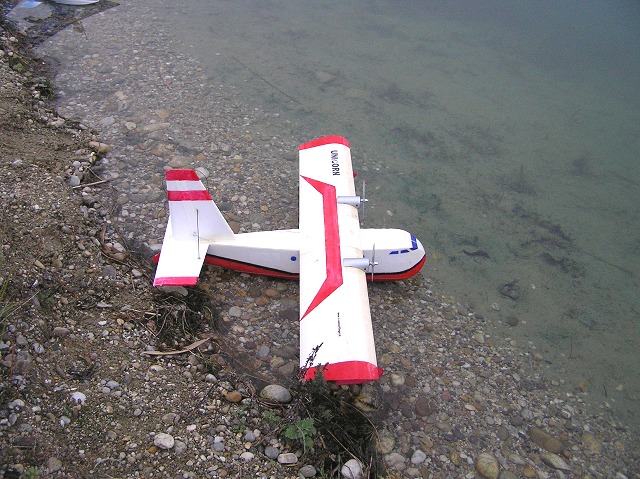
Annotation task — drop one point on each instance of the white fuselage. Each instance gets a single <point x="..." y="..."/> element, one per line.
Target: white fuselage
<point x="397" y="253"/>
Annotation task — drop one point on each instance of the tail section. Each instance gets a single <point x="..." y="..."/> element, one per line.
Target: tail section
<point x="194" y="223"/>
<point x="193" y="212"/>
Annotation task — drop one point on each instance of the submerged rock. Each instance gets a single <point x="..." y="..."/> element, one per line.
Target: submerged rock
<point x="555" y="461"/>
<point x="487" y="466"/>
<point x="545" y="440"/>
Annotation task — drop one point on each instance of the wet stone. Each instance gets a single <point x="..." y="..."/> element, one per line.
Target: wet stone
<point x="545" y="440"/>
<point x="424" y="406"/>
<point x="386" y="442"/>
<point x="591" y="444"/>
<point x="487" y="466"/>
<point x="516" y="420"/>
<point x="406" y="409"/>
<point x="507" y="475"/>
<point x="554" y="461"/>
<point x="395" y="461"/>
<point x="263" y="351"/>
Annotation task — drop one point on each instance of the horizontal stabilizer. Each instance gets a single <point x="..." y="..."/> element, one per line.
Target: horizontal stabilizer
<point x="180" y="260"/>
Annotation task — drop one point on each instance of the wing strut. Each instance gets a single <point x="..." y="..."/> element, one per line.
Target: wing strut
<point x="198" y="229"/>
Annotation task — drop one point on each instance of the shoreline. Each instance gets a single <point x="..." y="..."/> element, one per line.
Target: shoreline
<point x="450" y="393"/>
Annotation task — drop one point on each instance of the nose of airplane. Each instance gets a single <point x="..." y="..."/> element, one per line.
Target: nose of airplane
<point x="419" y="254"/>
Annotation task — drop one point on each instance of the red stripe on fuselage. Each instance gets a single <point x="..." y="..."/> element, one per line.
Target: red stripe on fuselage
<point x="333" y="280"/>
<point x="248" y="267"/>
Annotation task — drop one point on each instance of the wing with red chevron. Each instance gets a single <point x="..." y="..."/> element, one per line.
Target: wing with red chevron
<point x="336" y="334"/>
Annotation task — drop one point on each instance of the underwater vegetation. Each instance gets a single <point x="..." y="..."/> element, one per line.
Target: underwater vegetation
<point x="581" y="166"/>
<point x="518" y="181"/>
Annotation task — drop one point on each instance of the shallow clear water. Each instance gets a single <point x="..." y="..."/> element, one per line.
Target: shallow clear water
<point x="505" y="135"/>
<point x="505" y="128"/>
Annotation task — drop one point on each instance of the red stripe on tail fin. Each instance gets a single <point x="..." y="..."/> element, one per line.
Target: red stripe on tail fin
<point x="182" y="175"/>
<point x="191" y="195"/>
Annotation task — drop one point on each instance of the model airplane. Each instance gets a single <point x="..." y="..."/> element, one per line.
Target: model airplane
<point x="330" y="254"/>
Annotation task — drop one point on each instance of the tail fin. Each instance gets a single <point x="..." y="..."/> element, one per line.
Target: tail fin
<point x="194" y="222"/>
<point x="193" y="212"/>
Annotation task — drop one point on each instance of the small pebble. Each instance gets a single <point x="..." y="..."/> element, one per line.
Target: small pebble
<point x="271" y="452"/>
<point x="287" y="458"/>
<point x="308" y="471"/>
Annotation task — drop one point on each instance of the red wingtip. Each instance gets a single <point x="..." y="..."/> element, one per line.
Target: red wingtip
<point x="325" y="140"/>
<point x="347" y="372"/>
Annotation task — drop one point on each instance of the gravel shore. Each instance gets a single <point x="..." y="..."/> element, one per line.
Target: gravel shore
<point x="84" y="390"/>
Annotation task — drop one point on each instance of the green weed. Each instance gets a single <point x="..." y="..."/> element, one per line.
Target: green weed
<point x="303" y="431"/>
<point x="31" y="473"/>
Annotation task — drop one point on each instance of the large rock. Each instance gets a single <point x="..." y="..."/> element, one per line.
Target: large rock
<point x="276" y="393"/>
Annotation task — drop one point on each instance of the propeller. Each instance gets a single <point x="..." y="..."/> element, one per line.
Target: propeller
<point x="362" y="263"/>
<point x="355" y="201"/>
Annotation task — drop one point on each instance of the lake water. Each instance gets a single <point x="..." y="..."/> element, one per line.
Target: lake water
<point x="505" y="135"/>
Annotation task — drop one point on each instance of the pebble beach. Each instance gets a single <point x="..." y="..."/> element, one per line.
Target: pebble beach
<point x="458" y="398"/>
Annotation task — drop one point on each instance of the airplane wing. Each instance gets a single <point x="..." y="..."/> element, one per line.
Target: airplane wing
<point x="336" y="334"/>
